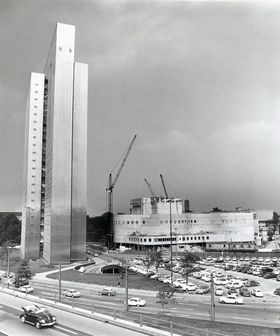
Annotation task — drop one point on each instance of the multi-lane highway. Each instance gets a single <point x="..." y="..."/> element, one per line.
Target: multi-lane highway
<point x="68" y="323"/>
<point x="254" y="310"/>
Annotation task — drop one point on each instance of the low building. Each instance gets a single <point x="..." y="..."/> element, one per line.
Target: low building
<point x="150" y="224"/>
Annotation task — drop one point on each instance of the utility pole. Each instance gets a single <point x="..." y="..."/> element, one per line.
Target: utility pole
<point x="8" y="266"/>
<point x="126" y="287"/>
<point x="170" y="229"/>
<point x="212" y="300"/>
<point x="59" y="283"/>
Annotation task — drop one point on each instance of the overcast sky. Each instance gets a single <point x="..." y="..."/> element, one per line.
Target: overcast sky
<point x="198" y="82"/>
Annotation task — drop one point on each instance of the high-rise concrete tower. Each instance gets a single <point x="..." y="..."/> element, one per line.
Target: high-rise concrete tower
<point x="55" y="171"/>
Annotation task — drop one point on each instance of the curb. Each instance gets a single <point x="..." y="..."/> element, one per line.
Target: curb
<point x="86" y="313"/>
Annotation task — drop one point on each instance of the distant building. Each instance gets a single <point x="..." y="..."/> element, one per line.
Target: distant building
<point x="148" y="226"/>
<point x="55" y="185"/>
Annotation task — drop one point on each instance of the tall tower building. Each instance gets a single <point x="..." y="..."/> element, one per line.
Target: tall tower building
<point x="55" y="156"/>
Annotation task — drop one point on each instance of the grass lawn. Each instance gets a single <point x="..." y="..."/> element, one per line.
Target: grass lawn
<point x="136" y="281"/>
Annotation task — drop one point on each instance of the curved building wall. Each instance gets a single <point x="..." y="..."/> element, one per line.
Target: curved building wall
<point x="224" y="226"/>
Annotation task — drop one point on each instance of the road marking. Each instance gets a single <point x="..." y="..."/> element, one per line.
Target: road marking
<point x="242" y="318"/>
<point x="184" y="309"/>
<point x="48" y="293"/>
<point x="70" y="331"/>
<point x="202" y="314"/>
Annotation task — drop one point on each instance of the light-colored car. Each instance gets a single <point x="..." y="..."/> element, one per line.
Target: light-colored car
<point x="189" y="287"/>
<point x="179" y="282"/>
<point x="234" y="284"/>
<point x="71" y="293"/>
<point x="25" y="289"/>
<point x="155" y="276"/>
<point x="217" y="281"/>
<point x="136" y="301"/>
<point x="231" y="299"/>
<point x="219" y="291"/>
<point x="257" y="292"/>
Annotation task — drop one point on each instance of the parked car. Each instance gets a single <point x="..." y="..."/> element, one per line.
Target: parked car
<point x="269" y="275"/>
<point x="251" y="283"/>
<point x="231" y="299"/>
<point x="244" y="291"/>
<point x="278" y="277"/>
<point x="71" y="293"/>
<point x="25" y="289"/>
<point x="190" y="287"/>
<point x="38" y="316"/>
<point x="21" y="282"/>
<point x="136" y="301"/>
<point x="234" y="284"/>
<point x="257" y="292"/>
<point x="232" y="291"/>
<point x="277" y="291"/>
<point x="219" y="291"/>
<point x="108" y="292"/>
<point x="203" y="290"/>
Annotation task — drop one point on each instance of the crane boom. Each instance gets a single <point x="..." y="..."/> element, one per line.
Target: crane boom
<point x="150" y="188"/>
<point x="161" y="177"/>
<point x="123" y="162"/>
<point x="112" y="182"/>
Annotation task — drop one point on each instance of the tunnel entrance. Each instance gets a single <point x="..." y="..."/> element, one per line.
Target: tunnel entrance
<point x="112" y="269"/>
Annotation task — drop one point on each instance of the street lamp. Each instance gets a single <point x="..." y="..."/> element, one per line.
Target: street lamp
<point x="176" y="242"/>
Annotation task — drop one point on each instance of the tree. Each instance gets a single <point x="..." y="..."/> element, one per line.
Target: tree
<point x="23" y="272"/>
<point x="156" y="259"/>
<point x="188" y="263"/>
<point x="148" y="261"/>
<point x="10" y="229"/>
<point x="164" y="295"/>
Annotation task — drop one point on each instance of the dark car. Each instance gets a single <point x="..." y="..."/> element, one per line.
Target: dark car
<point x="244" y="291"/>
<point x="251" y="283"/>
<point x="269" y="275"/>
<point x="38" y="316"/>
<point x="21" y="282"/>
<point x="232" y="291"/>
<point x="277" y="291"/>
<point x="203" y="290"/>
<point x="108" y="292"/>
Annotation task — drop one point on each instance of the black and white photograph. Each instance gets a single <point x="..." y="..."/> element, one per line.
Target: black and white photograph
<point x="140" y="167"/>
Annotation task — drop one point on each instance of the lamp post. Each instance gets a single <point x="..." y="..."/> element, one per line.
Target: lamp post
<point x="170" y="229"/>
<point x="176" y="242"/>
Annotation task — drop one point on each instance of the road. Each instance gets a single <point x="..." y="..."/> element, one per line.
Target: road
<point x="68" y="323"/>
<point x="254" y="311"/>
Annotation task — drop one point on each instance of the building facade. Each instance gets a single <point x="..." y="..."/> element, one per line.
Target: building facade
<point x="56" y="156"/>
<point x="151" y="229"/>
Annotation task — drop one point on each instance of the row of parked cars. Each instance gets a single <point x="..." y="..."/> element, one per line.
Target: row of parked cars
<point x="253" y="260"/>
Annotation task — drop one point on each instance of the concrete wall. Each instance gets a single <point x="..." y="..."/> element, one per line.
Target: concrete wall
<point x="224" y="226"/>
<point x="57" y="227"/>
<point x="79" y="163"/>
<point x="30" y="231"/>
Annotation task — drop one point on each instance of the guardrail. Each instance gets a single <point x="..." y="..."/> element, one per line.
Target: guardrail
<point x="164" y="324"/>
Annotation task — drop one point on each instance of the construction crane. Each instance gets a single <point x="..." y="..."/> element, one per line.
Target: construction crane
<point x="111" y="185"/>
<point x="112" y="182"/>
<point x="150" y="188"/>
